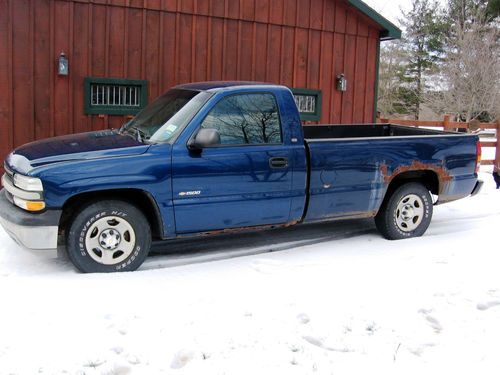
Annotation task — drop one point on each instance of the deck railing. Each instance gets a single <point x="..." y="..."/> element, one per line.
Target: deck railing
<point x="473" y="126"/>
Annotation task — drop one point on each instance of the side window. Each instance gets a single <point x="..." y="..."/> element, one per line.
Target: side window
<point x="245" y="119"/>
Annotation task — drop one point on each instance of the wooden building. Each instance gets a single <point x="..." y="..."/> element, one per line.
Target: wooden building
<point x="119" y="54"/>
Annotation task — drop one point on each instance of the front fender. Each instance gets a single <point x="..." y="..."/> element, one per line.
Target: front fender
<point x="149" y="172"/>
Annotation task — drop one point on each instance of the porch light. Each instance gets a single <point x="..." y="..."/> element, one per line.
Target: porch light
<point x="341" y="82"/>
<point x="63" y="66"/>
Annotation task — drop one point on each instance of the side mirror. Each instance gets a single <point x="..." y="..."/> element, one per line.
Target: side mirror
<point x="204" y="138"/>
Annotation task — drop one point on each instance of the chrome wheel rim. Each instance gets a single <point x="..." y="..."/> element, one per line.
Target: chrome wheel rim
<point x="409" y="212"/>
<point x="110" y="240"/>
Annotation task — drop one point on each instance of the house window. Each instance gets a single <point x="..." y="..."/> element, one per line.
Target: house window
<point x="113" y="96"/>
<point x="308" y="103"/>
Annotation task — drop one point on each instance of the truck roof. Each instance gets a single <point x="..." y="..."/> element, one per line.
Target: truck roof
<point x="213" y="85"/>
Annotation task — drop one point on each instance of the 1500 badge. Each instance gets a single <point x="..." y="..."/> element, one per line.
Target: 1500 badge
<point x="195" y="192"/>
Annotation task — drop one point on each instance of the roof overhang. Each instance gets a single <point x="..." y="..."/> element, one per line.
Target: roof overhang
<point x="389" y="32"/>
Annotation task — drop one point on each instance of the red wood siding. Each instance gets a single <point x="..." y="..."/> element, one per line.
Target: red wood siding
<point x="298" y="43"/>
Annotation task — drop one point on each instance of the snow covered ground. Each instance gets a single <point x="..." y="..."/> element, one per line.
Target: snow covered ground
<point x="324" y="299"/>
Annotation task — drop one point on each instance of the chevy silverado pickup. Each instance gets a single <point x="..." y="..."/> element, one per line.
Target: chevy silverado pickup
<point x="216" y="157"/>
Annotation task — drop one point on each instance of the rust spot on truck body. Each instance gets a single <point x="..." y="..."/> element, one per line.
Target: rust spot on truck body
<point x="240" y="229"/>
<point x="347" y="216"/>
<point x="443" y="175"/>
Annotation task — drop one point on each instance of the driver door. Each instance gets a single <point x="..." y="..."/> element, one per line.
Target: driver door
<point x="245" y="180"/>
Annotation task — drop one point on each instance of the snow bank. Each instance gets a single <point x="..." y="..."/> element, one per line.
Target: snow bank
<point x="324" y="299"/>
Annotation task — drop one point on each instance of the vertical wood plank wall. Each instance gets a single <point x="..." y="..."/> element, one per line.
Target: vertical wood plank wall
<point x="298" y="43"/>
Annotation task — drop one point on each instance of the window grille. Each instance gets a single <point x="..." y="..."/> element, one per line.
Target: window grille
<point x="305" y="103"/>
<point x="114" y="96"/>
<point x="308" y="103"/>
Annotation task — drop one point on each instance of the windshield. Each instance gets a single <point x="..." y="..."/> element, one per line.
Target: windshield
<point x="164" y="118"/>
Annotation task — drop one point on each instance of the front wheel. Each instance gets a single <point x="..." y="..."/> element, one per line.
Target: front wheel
<point x="108" y="236"/>
<point x="407" y="213"/>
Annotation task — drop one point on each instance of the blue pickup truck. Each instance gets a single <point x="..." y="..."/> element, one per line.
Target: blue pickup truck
<point x="216" y="157"/>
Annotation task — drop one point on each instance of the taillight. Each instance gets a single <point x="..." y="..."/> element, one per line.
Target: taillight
<point x="478" y="157"/>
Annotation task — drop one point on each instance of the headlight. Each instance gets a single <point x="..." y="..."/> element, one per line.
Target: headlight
<point x="28" y="183"/>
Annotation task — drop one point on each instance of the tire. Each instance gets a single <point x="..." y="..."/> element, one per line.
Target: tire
<point x="108" y="236"/>
<point x="406" y="213"/>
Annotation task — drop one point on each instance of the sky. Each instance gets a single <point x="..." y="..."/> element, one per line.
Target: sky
<point x="390" y="9"/>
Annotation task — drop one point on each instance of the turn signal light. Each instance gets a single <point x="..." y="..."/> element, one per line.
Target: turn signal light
<point x="35" y="206"/>
<point x="29" y="205"/>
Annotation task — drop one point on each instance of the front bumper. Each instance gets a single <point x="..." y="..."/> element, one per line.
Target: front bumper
<point x="31" y="230"/>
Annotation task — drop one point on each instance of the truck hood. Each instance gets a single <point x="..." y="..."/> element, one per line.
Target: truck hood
<point x="83" y="146"/>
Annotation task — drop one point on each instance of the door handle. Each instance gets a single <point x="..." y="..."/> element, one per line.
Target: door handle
<point x="278" y="162"/>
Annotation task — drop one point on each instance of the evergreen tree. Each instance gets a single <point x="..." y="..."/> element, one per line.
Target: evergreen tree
<point x="395" y="96"/>
<point x="423" y="39"/>
<point x="493" y="9"/>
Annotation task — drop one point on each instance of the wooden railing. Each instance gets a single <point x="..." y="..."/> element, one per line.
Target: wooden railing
<point x="446" y="124"/>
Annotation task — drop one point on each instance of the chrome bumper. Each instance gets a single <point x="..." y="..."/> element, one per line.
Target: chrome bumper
<point x="35" y="238"/>
<point x="31" y="230"/>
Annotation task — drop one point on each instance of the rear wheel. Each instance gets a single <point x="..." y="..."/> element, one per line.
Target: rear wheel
<point x="108" y="236"/>
<point x="406" y="213"/>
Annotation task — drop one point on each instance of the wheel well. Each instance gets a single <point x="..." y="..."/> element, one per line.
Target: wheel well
<point x="139" y="198"/>
<point x="428" y="178"/>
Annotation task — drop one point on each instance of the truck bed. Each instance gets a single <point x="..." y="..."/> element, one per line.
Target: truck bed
<point x="351" y="166"/>
<point x="315" y="132"/>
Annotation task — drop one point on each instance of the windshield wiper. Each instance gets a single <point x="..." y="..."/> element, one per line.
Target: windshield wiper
<point x="140" y="134"/>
